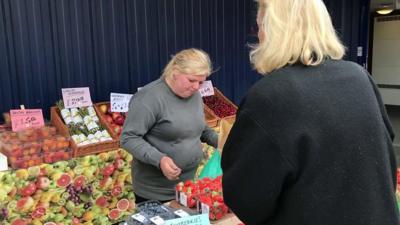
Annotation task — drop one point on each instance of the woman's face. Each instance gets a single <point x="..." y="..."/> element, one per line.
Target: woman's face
<point x="185" y="85"/>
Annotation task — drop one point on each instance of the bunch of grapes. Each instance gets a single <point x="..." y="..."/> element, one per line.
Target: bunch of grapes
<point x="3" y="214"/>
<point x="74" y="194"/>
<point x="87" y="205"/>
<point x="88" y="190"/>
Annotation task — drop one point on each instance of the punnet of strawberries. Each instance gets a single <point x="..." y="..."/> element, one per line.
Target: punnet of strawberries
<point x="220" y="107"/>
<point x="205" y="194"/>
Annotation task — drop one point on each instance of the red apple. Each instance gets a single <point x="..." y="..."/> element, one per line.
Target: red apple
<point x="117" y="129"/>
<point x="43" y="183"/>
<point x="115" y="115"/>
<point x="119" y="120"/>
<point x="109" y="119"/>
<point x="103" y="108"/>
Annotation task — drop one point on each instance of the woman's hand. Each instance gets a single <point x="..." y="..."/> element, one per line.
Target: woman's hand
<point x="169" y="169"/>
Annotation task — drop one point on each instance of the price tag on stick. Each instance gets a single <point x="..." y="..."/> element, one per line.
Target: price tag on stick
<point x="120" y="102"/>
<point x="206" y="89"/>
<point x="76" y="97"/>
<point x="22" y="119"/>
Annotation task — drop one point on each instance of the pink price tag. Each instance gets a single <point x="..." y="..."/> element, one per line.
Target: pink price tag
<point x="22" y="119"/>
<point x="76" y="97"/>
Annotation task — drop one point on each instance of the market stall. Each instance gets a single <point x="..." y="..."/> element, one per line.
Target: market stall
<point x="71" y="170"/>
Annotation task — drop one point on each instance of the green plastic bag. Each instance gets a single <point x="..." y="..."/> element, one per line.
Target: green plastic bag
<point x="213" y="167"/>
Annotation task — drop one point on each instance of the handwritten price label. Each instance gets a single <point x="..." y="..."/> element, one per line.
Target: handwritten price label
<point x="201" y="219"/>
<point x="120" y="102"/>
<point x="76" y="97"/>
<point x="26" y="118"/>
<point x="206" y="89"/>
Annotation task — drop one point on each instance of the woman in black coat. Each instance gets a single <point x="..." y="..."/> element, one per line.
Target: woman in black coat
<point x="312" y="143"/>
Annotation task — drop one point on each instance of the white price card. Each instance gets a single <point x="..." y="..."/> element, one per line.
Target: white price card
<point x="206" y="89"/>
<point x="120" y="102"/>
<point x="76" y="97"/>
<point x="157" y="220"/>
<point x="181" y="213"/>
<point x="3" y="162"/>
<point x="139" y="217"/>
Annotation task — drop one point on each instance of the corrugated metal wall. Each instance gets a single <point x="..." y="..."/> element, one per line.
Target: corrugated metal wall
<point x="119" y="45"/>
<point x="114" y="45"/>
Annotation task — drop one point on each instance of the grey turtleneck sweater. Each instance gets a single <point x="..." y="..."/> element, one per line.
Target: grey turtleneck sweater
<point x="159" y="123"/>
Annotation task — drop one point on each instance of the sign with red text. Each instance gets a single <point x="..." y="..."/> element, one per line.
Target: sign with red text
<point x="206" y="89"/>
<point x="22" y="119"/>
<point x="76" y="97"/>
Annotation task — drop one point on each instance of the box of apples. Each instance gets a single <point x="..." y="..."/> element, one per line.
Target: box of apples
<point x="114" y="120"/>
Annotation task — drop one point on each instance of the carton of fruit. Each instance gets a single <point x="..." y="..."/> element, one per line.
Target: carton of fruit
<point x="113" y="120"/>
<point x="25" y="161"/>
<point x="213" y="204"/>
<point x="55" y="156"/>
<point x="83" y="144"/>
<point x="186" y="193"/>
<point x="17" y="148"/>
<point x="55" y="143"/>
<point x="220" y="105"/>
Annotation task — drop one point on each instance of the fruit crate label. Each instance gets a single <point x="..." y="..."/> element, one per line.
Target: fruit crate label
<point x="120" y="102"/>
<point x="205" y="208"/>
<point x="183" y="199"/>
<point x="206" y="89"/>
<point x="22" y="119"/>
<point x="157" y="220"/>
<point x="3" y="162"/>
<point x="139" y="217"/>
<point x="201" y="219"/>
<point x="181" y="213"/>
<point x="76" y="97"/>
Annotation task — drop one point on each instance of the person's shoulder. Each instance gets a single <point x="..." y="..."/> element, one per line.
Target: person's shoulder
<point x="151" y="90"/>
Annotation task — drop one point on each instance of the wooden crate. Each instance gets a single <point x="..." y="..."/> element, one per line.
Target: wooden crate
<point x="219" y="94"/>
<point x="78" y="151"/>
<point x="210" y="117"/>
<point x="103" y="120"/>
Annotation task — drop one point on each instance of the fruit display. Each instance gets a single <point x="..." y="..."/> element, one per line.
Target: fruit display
<point x="114" y="120"/>
<point x="95" y="189"/>
<point x="83" y="125"/>
<point x="27" y="148"/>
<point x="220" y="105"/>
<point x="205" y="194"/>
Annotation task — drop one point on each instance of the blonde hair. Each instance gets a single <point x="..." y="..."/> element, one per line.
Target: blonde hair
<point x="294" y="31"/>
<point x="189" y="61"/>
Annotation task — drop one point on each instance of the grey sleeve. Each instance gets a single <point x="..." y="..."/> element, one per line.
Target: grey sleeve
<point x="138" y="122"/>
<point x="209" y="136"/>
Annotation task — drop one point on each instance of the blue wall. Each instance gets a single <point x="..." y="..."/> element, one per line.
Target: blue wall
<point x="119" y="45"/>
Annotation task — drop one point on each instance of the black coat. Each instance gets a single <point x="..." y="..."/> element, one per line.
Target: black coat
<point x="312" y="146"/>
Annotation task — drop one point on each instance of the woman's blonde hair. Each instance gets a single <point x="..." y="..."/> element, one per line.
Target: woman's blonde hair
<point x="189" y="61"/>
<point x="294" y="31"/>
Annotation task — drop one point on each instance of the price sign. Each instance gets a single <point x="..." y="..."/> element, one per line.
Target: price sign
<point x="22" y="119"/>
<point x="120" y="102"/>
<point x="190" y="220"/>
<point x="76" y="97"/>
<point x="206" y="89"/>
